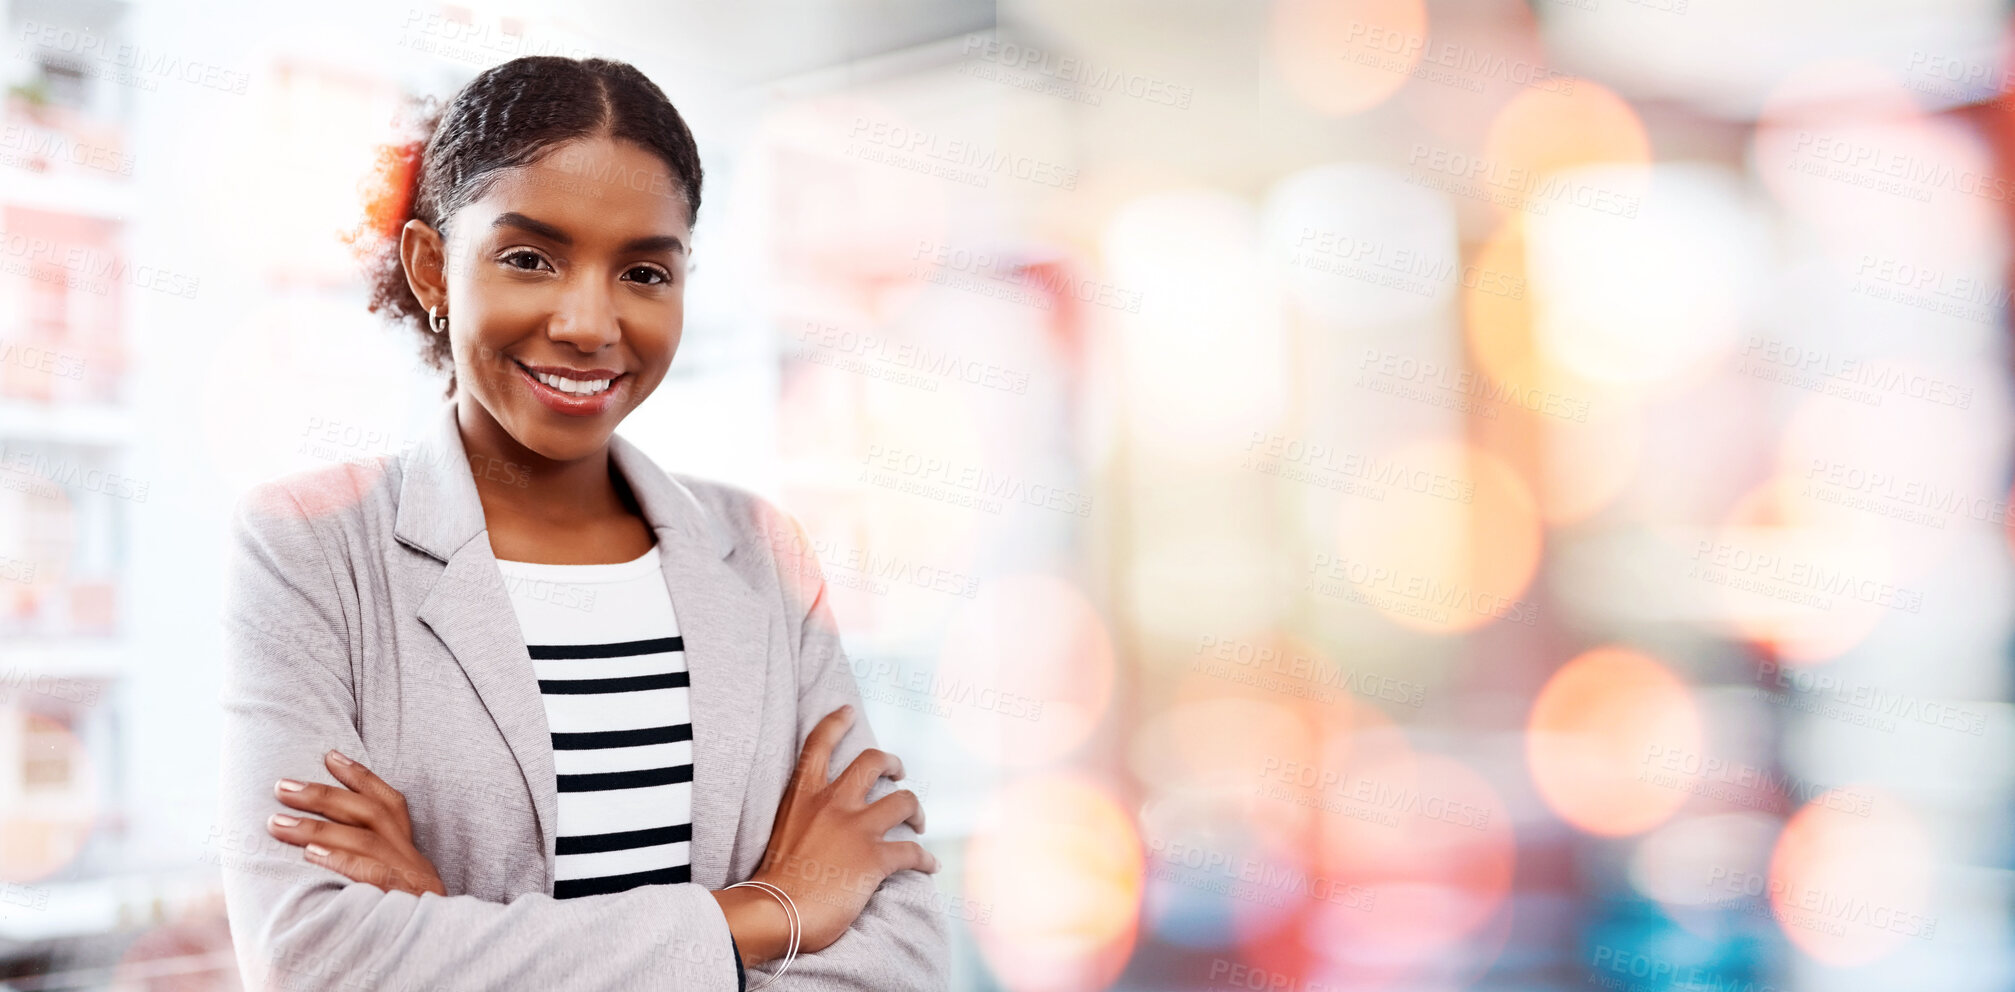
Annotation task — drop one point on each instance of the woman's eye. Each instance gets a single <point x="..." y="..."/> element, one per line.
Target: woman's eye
<point x="654" y="276"/>
<point x="523" y="254"/>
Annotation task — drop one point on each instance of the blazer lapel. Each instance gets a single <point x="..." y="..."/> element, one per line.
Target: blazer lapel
<point x="468" y="608"/>
<point x="725" y="625"/>
<point x="726" y="630"/>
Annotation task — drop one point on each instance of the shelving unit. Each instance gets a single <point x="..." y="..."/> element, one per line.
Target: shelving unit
<point x="66" y="433"/>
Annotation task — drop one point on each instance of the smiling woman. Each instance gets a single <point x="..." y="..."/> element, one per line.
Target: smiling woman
<point x="654" y="780"/>
<point x="568" y="282"/>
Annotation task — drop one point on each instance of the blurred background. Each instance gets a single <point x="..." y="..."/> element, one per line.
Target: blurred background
<point x="1322" y="495"/>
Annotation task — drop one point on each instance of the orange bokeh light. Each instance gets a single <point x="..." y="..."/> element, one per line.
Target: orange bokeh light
<point x="1803" y="593"/>
<point x="1446" y="555"/>
<point x="1848" y="889"/>
<point x="1342" y="58"/>
<point x="1057" y="869"/>
<point x="1232" y="739"/>
<point x="1591" y="443"/>
<point x="1219" y="742"/>
<point x="1540" y="131"/>
<point x="1497" y="305"/>
<point x="1592" y="731"/>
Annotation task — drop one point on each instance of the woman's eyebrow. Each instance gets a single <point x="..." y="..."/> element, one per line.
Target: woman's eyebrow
<point x="656" y="242"/>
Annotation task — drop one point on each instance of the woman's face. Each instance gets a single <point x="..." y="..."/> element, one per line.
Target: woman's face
<point x="565" y="293"/>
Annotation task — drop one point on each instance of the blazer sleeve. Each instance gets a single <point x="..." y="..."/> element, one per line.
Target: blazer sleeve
<point x="287" y="698"/>
<point x="899" y="942"/>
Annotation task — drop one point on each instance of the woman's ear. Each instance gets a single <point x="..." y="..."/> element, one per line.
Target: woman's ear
<point x="423" y="255"/>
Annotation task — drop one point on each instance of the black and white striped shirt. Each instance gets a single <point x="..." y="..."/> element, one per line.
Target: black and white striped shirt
<point x="612" y="671"/>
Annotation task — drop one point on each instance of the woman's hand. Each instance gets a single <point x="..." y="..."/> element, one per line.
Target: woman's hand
<point x="826" y="848"/>
<point x="367" y="835"/>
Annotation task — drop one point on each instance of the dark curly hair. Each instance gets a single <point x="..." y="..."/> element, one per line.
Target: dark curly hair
<point x="507" y="116"/>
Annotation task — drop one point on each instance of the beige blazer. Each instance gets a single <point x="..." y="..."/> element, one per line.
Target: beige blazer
<point x="364" y="611"/>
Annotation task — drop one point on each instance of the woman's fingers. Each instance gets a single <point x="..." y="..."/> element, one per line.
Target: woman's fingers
<point x="358" y="854"/>
<point x="354" y="866"/>
<point x="900" y="854"/>
<point x="817" y="754"/>
<point x="366" y="783"/>
<point x="359" y="868"/>
<point x="334" y="802"/>
<point x="302" y="831"/>
<point x="900" y="806"/>
<point x="872" y="763"/>
<point x="366" y="834"/>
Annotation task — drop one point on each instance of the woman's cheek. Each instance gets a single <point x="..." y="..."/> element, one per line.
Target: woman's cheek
<point x="486" y="366"/>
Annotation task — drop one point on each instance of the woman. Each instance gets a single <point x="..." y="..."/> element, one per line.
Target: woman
<point x="513" y="708"/>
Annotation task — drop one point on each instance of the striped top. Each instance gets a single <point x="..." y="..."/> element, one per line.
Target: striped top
<point x="612" y="671"/>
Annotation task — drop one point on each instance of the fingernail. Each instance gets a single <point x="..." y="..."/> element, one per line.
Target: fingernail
<point x="340" y="757"/>
<point x="289" y="785"/>
<point x="847" y="710"/>
<point x="318" y="850"/>
<point x="283" y="820"/>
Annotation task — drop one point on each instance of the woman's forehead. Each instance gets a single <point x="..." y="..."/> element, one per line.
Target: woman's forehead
<point x="594" y="189"/>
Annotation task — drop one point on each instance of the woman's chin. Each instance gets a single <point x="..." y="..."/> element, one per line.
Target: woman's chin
<point x="563" y="445"/>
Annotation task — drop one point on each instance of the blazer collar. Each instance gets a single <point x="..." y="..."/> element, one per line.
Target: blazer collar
<point x="439" y="510"/>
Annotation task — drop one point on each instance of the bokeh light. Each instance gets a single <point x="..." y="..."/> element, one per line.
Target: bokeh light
<point x="1343" y="58"/>
<point x="1195" y="258"/>
<point x="1058" y="867"/>
<point x="1648" y="286"/>
<point x="1850" y="880"/>
<point x="1806" y="593"/>
<point x="1541" y="132"/>
<point x="1599" y="737"/>
<point x="1361" y="244"/>
<point x="1414" y="558"/>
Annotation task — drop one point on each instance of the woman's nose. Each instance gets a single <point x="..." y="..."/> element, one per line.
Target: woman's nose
<point x="586" y="319"/>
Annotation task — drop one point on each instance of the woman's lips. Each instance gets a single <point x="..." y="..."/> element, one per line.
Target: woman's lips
<point x="572" y="404"/>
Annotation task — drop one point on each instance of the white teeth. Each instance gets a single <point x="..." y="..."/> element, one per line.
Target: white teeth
<point x="578" y="387"/>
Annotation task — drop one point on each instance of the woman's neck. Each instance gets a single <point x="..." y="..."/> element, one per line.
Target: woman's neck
<point x="528" y="485"/>
<point x="540" y="509"/>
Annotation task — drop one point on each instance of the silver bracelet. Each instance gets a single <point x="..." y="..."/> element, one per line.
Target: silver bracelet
<point x="791" y="911"/>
